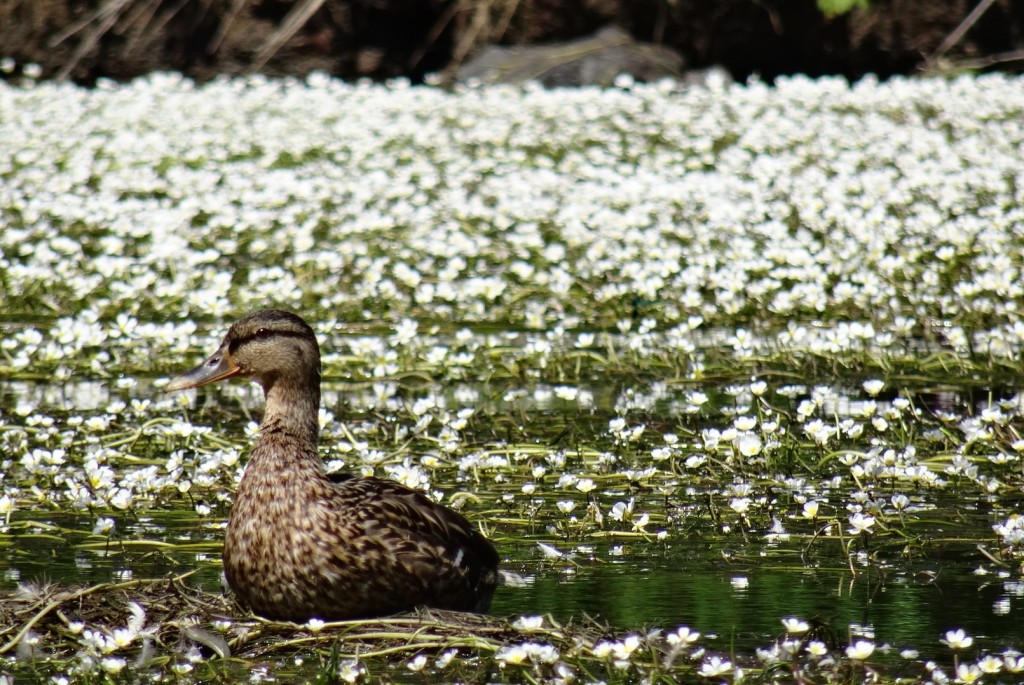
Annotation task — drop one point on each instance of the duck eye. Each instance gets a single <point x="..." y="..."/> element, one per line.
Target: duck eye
<point x="262" y="333"/>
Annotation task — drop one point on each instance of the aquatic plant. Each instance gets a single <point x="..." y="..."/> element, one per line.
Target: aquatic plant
<point x="616" y="328"/>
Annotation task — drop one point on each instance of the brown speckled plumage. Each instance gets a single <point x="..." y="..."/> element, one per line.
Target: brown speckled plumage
<point x="301" y="544"/>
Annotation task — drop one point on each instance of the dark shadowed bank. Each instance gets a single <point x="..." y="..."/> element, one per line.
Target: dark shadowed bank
<point x="88" y="39"/>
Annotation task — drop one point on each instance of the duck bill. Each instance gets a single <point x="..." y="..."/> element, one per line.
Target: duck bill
<point x="216" y="368"/>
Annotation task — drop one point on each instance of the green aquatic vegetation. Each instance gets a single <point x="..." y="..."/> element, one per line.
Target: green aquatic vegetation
<point x="753" y="472"/>
<point x="729" y="374"/>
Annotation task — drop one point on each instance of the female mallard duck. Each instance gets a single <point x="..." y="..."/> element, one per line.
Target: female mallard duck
<point x="301" y="544"/>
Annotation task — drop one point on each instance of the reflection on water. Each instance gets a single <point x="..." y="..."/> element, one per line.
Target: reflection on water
<point x="63" y="549"/>
<point x="683" y="583"/>
<point x="742" y="605"/>
<point x="715" y="573"/>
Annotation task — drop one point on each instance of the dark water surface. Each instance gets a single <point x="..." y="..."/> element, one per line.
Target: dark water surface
<point x="739" y="601"/>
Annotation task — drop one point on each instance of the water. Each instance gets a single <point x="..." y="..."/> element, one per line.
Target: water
<point x="741" y="601"/>
<point x="730" y="572"/>
<point x="736" y="603"/>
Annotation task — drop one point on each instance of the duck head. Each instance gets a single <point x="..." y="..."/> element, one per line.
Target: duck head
<point x="274" y="347"/>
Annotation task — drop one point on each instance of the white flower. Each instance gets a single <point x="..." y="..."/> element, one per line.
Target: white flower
<point x="740" y="504"/>
<point x="714" y="666"/>
<point x="682" y="636"/>
<point x="860" y="650"/>
<point x="621" y="511"/>
<point x="513" y="654"/>
<point x="123" y="637"/>
<point x="585" y="485"/>
<point x="112" y="664"/>
<point x="405" y="331"/>
<point x="622" y="651"/>
<point x="990" y="664"/>
<point x="528" y="623"/>
<point x="585" y="340"/>
<point x="749" y="444"/>
<point x="817" y="648"/>
<point x="565" y="506"/>
<point x="968" y="673"/>
<point x="860" y="523"/>
<point x="806" y="408"/>
<point x="795" y="626"/>
<point x="957" y="639"/>
<point x="535" y="652"/>
<point x="351" y="670"/>
<point x="820" y="432"/>
<point x="873" y="387"/>
<point x="791" y="646"/>
<point x="1013" y="662"/>
<point x="696" y="398"/>
<point x="103" y="526"/>
<point x="744" y="423"/>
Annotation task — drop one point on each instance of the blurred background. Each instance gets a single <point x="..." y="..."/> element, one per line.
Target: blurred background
<point x="560" y="42"/>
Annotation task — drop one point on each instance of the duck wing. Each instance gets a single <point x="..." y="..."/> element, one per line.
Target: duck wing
<point x="412" y="551"/>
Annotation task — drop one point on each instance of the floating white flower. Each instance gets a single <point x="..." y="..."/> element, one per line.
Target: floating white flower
<point x="714" y="666"/>
<point x="405" y="331"/>
<point x="622" y="511"/>
<point x="795" y="626"/>
<point x="682" y="636"/>
<point x="990" y="664"/>
<point x="957" y="639"/>
<point x="749" y="444"/>
<point x="112" y="664"/>
<point x="968" y="673"/>
<point x="585" y="485"/>
<point x="873" y="387"/>
<point x="861" y="523"/>
<point x="527" y="651"/>
<point x="740" y="504"/>
<point x="817" y="648"/>
<point x="860" y="650"/>
<point x="528" y="623"/>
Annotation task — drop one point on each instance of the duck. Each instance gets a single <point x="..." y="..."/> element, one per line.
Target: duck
<point x="302" y="544"/>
